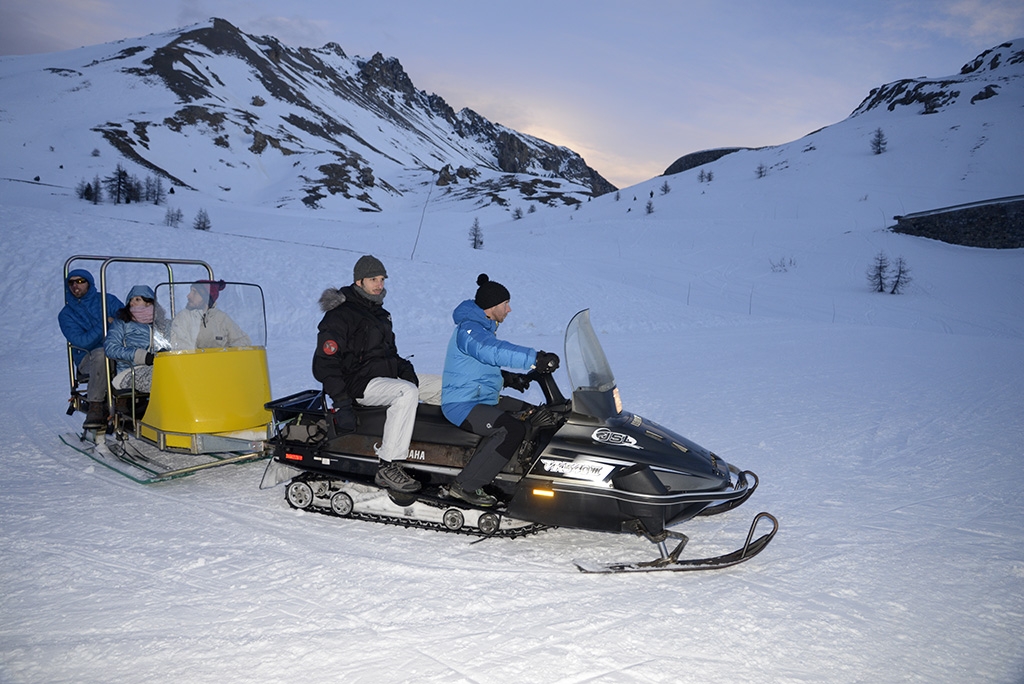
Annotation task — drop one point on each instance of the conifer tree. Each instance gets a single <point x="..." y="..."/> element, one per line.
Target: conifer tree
<point x="202" y="220"/>
<point x="879" y="272"/>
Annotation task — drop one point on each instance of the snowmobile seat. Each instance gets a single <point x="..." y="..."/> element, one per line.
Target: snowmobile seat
<point x="431" y="425"/>
<point x="309" y="406"/>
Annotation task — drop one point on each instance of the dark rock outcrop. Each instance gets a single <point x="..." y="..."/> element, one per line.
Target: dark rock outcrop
<point x="695" y="159"/>
<point x="997" y="224"/>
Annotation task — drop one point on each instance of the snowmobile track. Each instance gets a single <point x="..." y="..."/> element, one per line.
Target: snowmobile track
<point x="524" y="531"/>
<point x="433" y="500"/>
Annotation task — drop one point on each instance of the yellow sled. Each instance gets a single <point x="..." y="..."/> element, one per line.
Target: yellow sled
<point x="205" y="407"/>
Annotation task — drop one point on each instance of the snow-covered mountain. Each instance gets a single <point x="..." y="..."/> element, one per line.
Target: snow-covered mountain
<point x="246" y="120"/>
<point x="209" y="107"/>
<point x="963" y="131"/>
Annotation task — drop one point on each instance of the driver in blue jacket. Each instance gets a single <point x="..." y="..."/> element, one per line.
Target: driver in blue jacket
<point x="472" y="382"/>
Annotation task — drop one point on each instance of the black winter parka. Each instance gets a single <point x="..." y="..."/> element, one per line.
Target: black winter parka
<point x="356" y="344"/>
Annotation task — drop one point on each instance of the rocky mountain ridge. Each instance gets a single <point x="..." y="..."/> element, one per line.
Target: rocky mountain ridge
<point x="324" y="130"/>
<point x="929" y="96"/>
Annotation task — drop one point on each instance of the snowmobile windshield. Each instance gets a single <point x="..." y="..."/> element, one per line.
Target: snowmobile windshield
<point x="593" y="386"/>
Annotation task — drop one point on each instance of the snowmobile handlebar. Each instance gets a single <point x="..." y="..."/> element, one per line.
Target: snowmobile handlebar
<point x="552" y="393"/>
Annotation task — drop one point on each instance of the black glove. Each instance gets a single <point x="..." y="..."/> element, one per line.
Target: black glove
<point x="516" y="381"/>
<point x="149" y="358"/>
<point x="546" y="362"/>
<point x="343" y="417"/>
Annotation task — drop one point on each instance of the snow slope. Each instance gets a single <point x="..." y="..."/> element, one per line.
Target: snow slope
<point x="887" y="432"/>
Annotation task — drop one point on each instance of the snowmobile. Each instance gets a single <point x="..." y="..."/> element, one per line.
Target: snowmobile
<point x="585" y="464"/>
<point x="207" y="403"/>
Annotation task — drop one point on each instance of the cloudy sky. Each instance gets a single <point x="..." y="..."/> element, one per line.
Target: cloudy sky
<point x="629" y="84"/>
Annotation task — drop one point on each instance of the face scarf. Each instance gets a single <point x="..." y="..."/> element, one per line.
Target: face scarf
<point x="378" y="298"/>
<point x="142" y="313"/>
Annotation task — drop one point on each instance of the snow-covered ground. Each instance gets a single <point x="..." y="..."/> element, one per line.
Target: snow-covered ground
<point x="887" y="432"/>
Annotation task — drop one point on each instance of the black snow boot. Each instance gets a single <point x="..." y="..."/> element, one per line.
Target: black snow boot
<point x="96" y="417"/>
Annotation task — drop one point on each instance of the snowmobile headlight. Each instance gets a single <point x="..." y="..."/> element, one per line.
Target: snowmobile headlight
<point x="547" y="493"/>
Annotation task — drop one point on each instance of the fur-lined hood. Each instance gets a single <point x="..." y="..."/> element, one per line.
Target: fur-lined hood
<point x="332" y="298"/>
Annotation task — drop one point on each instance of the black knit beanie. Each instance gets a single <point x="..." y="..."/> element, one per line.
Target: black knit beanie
<point x="490" y="293"/>
<point x="368" y="267"/>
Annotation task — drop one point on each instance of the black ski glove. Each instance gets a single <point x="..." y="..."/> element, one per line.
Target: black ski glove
<point x="343" y="417"/>
<point x="149" y="358"/>
<point x="546" y="362"/>
<point x="516" y="381"/>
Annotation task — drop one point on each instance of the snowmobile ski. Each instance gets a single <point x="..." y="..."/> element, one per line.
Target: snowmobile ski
<point x="672" y="562"/>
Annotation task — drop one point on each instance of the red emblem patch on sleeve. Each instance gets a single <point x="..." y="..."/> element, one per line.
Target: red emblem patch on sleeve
<point x="330" y="347"/>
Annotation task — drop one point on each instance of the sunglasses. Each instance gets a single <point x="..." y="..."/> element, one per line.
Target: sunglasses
<point x="77" y="281"/>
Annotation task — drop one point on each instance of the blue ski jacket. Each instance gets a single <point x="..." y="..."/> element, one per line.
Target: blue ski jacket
<point x="81" y="320"/>
<point x="473" y="363"/>
<point x="124" y="338"/>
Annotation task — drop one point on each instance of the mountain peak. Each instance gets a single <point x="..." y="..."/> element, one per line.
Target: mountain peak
<point x="978" y="80"/>
<point x="1010" y="53"/>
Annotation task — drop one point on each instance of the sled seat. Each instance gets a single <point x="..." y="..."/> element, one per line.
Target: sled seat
<point x="130" y="406"/>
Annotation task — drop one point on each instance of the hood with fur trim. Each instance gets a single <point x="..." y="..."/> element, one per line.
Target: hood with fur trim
<point x="332" y="298"/>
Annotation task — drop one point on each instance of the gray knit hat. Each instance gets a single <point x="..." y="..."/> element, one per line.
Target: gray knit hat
<point x="368" y="267"/>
